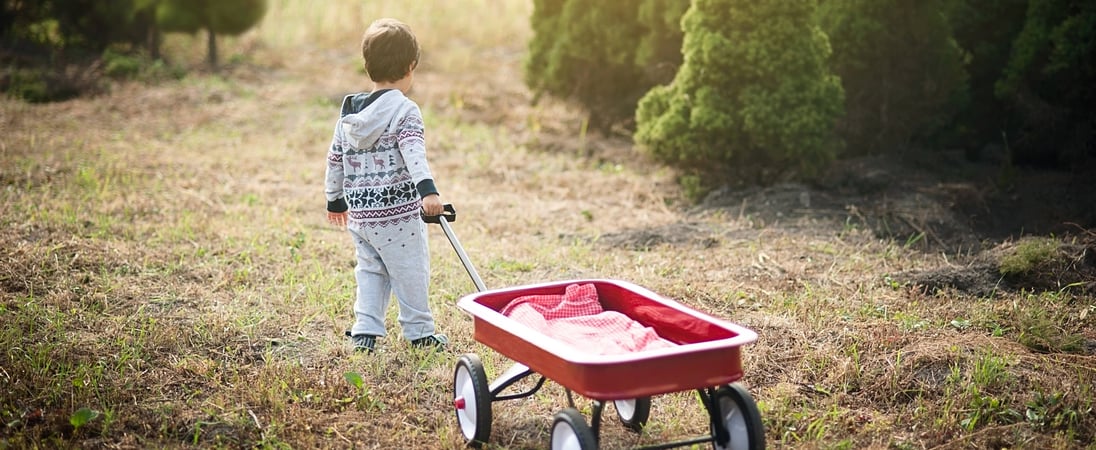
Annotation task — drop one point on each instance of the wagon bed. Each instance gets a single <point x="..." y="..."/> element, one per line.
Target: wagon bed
<point x="707" y="352"/>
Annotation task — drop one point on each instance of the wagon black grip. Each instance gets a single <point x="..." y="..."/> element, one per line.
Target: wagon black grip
<point x="448" y="212"/>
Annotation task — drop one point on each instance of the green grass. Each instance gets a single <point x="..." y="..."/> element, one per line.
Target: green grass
<point x="1029" y="254"/>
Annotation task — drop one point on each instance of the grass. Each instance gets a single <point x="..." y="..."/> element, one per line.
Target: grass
<point x="167" y="279"/>
<point x="1028" y="254"/>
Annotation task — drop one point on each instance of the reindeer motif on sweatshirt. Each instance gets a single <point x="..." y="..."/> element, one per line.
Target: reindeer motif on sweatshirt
<point x="377" y="161"/>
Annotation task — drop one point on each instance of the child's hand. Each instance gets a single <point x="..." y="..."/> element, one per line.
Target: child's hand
<point x="337" y="218"/>
<point x="431" y="205"/>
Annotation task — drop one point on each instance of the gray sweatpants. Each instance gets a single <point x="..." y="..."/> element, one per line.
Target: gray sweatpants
<point x="393" y="259"/>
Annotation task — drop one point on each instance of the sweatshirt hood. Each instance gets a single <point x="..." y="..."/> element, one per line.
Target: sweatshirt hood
<point x="374" y="112"/>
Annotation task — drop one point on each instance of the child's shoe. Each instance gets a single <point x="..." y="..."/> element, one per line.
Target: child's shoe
<point x="436" y="341"/>
<point x="362" y="342"/>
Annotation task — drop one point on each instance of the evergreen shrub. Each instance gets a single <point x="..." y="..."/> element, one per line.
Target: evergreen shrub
<point x="603" y="55"/>
<point x="753" y="98"/>
<point x="900" y="67"/>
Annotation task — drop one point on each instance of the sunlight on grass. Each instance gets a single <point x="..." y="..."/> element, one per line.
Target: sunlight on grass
<point x="1029" y="254"/>
<point x="444" y="29"/>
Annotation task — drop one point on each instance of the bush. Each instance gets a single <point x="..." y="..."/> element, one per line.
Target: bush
<point x="659" y="51"/>
<point x="122" y="65"/>
<point x="47" y="84"/>
<point x="1051" y="81"/>
<point x="900" y="67"/>
<point x="603" y="55"/>
<point x="27" y="85"/>
<point x="583" y="50"/>
<point x="52" y="49"/>
<point x="984" y="30"/>
<point x="754" y="92"/>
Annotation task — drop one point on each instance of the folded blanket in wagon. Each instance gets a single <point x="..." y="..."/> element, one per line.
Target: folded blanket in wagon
<point x="577" y="318"/>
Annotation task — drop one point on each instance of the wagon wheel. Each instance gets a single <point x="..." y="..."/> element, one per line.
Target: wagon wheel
<point x="633" y="412"/>
<point x="472" y="400"/>
<point x="739" y="413"/>
<point x="570" y="432"/>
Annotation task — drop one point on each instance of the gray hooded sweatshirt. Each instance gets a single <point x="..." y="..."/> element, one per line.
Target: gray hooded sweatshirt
<point x="376" y="165"/>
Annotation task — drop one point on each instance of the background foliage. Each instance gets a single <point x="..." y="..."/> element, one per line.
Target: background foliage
<point x="58" y="49"/>
<point x="1008" y="81"/>
<point x="603" y="55"/>
<point x="1050" y="82"/>
<point x="902" y="72"/>
<point x="754" y="91"/>
<point x="585" y="49"/>
<point x="984" y="30"/>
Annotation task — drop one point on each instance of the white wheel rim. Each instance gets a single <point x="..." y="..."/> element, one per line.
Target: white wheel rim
<point x="563" y="437"/>
<point x="625" y="408"/>
<point x="466" y="389"/>
<point x="735" y="422"/>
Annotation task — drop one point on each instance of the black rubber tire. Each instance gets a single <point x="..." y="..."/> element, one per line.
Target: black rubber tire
<point x="633" y="413"/>
<point x="470" y="384"/>
<point x="739" y="413"/>
<point x="570" y="432"/>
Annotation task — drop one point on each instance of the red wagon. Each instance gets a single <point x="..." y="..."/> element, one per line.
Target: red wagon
<point x="705" y="357"/>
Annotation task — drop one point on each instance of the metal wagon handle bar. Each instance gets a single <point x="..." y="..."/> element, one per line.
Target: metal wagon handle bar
<point x="449" y="214"/>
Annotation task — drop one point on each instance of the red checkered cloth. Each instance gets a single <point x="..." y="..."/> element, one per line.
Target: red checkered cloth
<point x="577" y="318"/>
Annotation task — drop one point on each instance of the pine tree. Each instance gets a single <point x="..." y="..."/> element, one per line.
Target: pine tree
<point x="224" y="17"/>
<point x="985" y="29"/>
<point x="900" y="67"/>
<point x="585" y="51"/>
<point x="754" y="92"/>
<point x="1050" y="79"/>
<point x="659" y="51"/>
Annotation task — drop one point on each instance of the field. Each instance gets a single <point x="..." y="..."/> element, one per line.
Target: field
<point x="168" y="279"/>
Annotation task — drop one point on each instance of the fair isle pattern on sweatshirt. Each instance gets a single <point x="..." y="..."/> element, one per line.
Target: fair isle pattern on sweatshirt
<point x="378" y="183"/>
<point x="378" y="186"/>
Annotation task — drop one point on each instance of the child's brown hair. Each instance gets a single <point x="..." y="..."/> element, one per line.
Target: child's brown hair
<point x="389" y="49"/>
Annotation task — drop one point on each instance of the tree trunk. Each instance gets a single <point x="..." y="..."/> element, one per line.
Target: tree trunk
<point x="152" y="41"/>
<point x="212" y="50"/>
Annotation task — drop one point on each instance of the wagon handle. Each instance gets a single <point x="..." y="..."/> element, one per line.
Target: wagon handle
<point x="443" y="219"/>
<point x="448" y="213"/>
